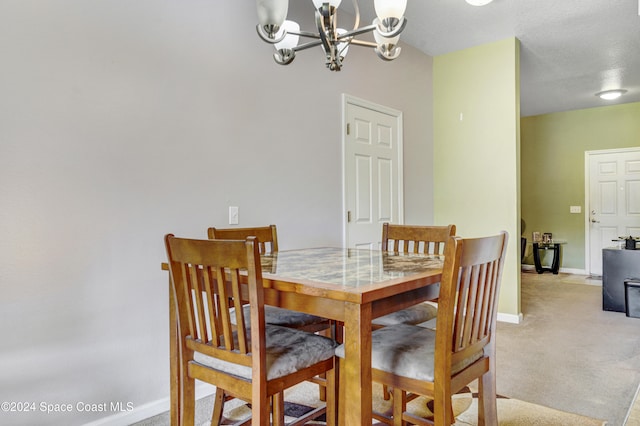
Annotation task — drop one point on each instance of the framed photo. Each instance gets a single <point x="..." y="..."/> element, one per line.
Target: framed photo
<point x="547" y="238"/>
<point x="536" y="237"/>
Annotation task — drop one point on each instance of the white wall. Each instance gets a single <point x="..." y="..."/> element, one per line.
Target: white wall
<point x="121" y="121"/>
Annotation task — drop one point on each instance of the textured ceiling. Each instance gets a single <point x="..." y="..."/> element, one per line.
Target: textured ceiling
<point x="570" y="49"/>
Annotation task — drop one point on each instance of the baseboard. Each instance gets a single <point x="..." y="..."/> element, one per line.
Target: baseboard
<point x="573" y="271"/>
<point x="148" y="410"/>
<point x="510" y="318"/>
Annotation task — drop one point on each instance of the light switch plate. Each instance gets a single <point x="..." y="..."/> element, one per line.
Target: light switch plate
<point x="233" y="215"/>
<point x="575" y="209"/>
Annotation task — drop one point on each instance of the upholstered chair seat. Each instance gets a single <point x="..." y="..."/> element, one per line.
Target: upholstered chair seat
<point x="284" y="317"/>
<point x="408" y="351"/>
<point x="414" y="315"/>
<point x="287" y="351"/>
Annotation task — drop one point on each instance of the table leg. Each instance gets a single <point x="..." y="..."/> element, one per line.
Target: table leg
<point x="555" y="266"/>
<point x="356" y="386"/>
<point x="536" y="258"/>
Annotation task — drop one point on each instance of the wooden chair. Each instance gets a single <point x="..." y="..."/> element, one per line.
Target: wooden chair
<point x="413" y="239"/>
<point x="416" y="239"/>
<point x="255" y="363"/>
<point x="267" y="239"/>
<point x="421" y="361"/>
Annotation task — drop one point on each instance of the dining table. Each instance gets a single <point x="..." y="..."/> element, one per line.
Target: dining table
<point x="349" y="285"/>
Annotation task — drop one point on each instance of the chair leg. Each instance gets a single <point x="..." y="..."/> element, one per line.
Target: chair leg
<point x="188" y="400"/>
<point x="218" y="406"/>
<point x="278" y="409"/>
<point x="399" y="406"/>
<point x="331" y="401"/>
<point x="443" y="408"/>
<point x="260" y="411"/>
<point x="340" y="402"/>
<point x="487" y="404"/>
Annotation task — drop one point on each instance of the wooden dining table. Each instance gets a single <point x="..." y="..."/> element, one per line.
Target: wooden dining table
<point x="352" y="286"/>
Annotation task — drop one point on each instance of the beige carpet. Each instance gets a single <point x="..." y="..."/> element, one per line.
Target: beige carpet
<point x="511" y="412"/>
<point x="568" y="353"/>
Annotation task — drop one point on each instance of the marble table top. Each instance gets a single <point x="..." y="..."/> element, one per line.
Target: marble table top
<point x="347" y="267"/>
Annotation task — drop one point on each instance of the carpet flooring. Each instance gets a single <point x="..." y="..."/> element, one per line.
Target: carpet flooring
<point x="568" y="353"/>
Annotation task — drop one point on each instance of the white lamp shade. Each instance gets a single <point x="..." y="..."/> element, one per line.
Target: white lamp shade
<point x="334" y="3"/>
<point x="380" y="40"/>
<point x="343" y="46"/>
<point x="390" y="8"/>
<point x="272" y="12"/>
<point x="290" y="40"/>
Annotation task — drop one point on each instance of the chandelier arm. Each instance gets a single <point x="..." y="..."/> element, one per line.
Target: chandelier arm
<point x="307" y="45"/>
<point x="305" y="34"/>
<point x="396" y="31"/>
<point x="357" y="31"/>
<point x="356" y="23"/>
<point x="326" y="44"/>
<point x="386" y="55"/>
<point x="364" y="43"/>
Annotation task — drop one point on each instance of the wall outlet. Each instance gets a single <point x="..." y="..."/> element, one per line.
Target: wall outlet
<point x="575" y="209"/>
<point x="233" y="215"/>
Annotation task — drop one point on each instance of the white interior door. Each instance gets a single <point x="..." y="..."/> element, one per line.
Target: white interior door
<point x="372" y="171"/>
<point x="614" y="200"/>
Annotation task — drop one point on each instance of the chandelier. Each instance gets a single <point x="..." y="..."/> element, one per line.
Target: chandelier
<point x="284" y="35"/>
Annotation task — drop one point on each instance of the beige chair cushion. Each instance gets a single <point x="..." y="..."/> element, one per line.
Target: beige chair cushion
<point x="407" y="351"/>
<point x="414" y="315"/>
<point x="283" y="317"/>
<point x="288" y="350"/>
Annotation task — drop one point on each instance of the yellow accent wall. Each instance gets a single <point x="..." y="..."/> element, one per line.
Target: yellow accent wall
<point x="553" y="170"/>
<point x="477" y="150"/>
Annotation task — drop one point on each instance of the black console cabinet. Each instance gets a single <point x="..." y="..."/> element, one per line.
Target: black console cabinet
<point x="617" y="266"/>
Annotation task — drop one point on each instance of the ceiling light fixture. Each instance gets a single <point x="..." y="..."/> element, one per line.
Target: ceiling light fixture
<point x="611" y="94"/>
<point x="284" y="35"/>
<point x="479" y="2"/>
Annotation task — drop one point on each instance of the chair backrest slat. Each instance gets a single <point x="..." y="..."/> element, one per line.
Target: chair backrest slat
<point x="212" y="305"/>
<point x="267" y="236"/>
<point x="468" y="296"/>
<point x="416" y="239"/>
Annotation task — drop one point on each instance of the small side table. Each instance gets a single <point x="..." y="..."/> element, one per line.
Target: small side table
<point x="555" y="265"/>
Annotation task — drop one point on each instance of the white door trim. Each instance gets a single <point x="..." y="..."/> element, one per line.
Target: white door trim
<point x="587" y="201"/>
<point x="348" y="99"/>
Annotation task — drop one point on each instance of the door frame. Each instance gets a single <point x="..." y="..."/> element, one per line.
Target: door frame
<point x="349" y="99"/>
<point x="587" y="195"/>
